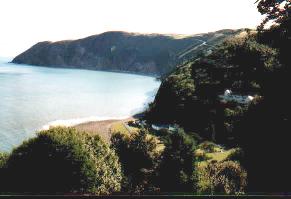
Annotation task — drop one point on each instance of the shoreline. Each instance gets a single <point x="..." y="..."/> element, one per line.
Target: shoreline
<point x="91" y="69"/>
<point x="103" y="128"/>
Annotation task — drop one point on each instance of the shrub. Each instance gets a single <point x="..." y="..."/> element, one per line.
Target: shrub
<point x="139" y="154"/>
<point x="62" y="160"/>
<point x="222" y="177"/>
<point x="3" y="159"/>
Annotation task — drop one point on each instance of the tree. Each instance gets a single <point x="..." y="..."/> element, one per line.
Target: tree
<point x="263" y="131"/>
<point x="176" y="172"/>
<point x="139" y="154"/>
<point x="226" y="177"/>
<point x="275" y="10"/>
<point x="278" y="36"/>
<point x="61" y="161"/>
<point x="3" y="159"/>
<point x="264" y="138"/>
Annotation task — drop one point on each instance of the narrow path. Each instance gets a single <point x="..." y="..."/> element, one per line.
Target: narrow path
<point x="194" y="48"/>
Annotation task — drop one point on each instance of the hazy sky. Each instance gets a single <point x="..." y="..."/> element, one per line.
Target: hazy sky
<point x="25" y="22"/>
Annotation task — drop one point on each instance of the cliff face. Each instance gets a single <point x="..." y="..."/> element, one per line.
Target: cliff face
<point x="153" y="54"/>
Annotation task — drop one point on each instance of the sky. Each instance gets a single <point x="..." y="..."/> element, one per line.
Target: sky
<point x="26" y="22"/>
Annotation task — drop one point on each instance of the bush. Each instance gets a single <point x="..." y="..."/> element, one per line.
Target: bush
<point x="139" y="154"/>
<point x="62" y="160"/>
<point x="222" y="177"/>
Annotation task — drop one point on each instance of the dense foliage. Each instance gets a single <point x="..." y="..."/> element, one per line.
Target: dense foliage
<point x="168" y="163"/>
<point x="222" y="177"/>
<point x="191" y="92"/>
<point x="264" y="131"/>
<point x="275" y="10"/>
<point x="254" y="63"/>
<point x="140" y="156"/>
<point x="176" y="171"/>
<point x="61" y="160"/>
<point x="3" y="159"/>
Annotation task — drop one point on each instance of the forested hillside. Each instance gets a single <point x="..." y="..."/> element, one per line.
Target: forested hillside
<point x="239" y="96"/>
<point x="195" y="90"/>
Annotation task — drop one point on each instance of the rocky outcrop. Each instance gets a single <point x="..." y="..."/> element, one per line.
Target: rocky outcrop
<point x="152" y="54"/>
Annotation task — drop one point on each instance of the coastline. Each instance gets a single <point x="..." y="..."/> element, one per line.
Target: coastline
<point x="103" y="128"/>
<point x="92" y="69"/>
<point x="58" y="109"/>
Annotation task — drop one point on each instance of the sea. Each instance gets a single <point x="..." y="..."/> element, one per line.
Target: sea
<point x="35" y="98"/>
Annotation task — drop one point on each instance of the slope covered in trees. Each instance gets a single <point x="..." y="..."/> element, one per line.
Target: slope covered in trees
<point x="190" y="96"/>
<point x="258" y="65"/>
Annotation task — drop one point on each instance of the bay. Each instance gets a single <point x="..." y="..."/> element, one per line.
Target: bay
<point x="33" y="98"/>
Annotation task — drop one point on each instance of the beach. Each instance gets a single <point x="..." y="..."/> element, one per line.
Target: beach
<point x="104" y="128"/>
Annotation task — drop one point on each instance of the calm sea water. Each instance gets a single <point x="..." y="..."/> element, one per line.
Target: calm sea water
<point x="33" y="98"/>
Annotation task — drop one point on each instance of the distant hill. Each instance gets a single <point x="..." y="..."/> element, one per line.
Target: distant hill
<point x="152" y="54"/>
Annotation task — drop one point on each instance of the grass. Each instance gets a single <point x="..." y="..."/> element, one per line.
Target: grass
<point x="217" y="154"/>
<point x="123" y="128"/>
<point x="119" y="127"/>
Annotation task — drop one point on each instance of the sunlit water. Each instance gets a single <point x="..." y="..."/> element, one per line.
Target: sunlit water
<point x="32" y="98"/>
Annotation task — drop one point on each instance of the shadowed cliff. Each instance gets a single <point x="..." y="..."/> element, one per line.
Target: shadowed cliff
<point x="152" y="54"/>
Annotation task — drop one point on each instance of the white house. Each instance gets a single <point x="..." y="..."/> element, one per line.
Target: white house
<point x="242" y="99"/>
<point x="250" y="98"/>
<point x="227" y="92"/>
<point x="167" y="127"/>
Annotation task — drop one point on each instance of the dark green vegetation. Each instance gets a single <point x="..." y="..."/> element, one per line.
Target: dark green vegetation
<point x="191" y="93"/>
<point x="153" y="54"/>
<point x="172" y="162"/>
<point x="140" y="156"/>
<point x="268" y="122"/>
<point x="176" y="172"/>
<point x="60" y="161"/>
<point x="65" y="161"/>
<point x="226" y="177"/>
<point x="256" y="64"/>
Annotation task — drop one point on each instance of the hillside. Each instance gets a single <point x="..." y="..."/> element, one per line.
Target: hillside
<point x="194" y="95"/>
<point x="152" y="54"/>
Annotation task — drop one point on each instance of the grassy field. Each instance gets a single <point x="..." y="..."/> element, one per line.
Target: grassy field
<point x="217" y="154"/>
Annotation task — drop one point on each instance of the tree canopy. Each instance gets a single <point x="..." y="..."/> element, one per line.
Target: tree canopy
<point x="61" y="161"/>
<point x="275" y="10"/>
